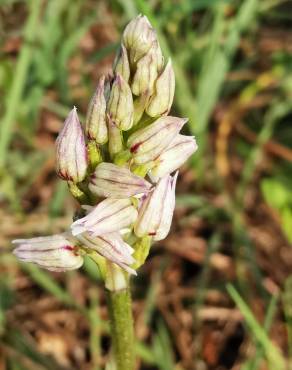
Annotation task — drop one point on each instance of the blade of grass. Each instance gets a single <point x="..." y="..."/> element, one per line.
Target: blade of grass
<point x="204" y="276"/>
<point x="271" y="310"/>
<point x="287" y="303"/>
<point x="277" y="110"/>
<point x="26" y="348"/>
<point x="214" y="67"/>
<point x="95" y="329"/>
<point x="44" y="280"/>
<point x="51" y="35"/>
<point x="272" y="353"/>
<point x="18" y="83"/>
<point x="57" y="202"/>
<point x="218" y="61"/>
<point x="67" y="50"/>
<point x="104" y="52"/>
<point x="162" y="348"/>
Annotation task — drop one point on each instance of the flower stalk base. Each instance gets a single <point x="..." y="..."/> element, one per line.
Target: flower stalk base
<point x="122" y="331"/>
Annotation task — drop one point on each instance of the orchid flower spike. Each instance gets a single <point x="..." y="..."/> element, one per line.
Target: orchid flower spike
<point x="119" y="165"/>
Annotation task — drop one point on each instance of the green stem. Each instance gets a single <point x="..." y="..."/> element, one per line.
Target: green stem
<point x="122" y="330"/>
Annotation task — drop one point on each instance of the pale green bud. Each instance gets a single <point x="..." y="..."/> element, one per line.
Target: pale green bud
<point x="120" y="105"/>
<point x="107" y="86"/>
<point x="121" y="63"/>
<point x="95" y="124"/>
<point x="94" y="154"/>
<point x="148" y="68"/>
<point x="115" y="142"/>
<point x="138" y="37"/>
<point x="161" y="101"/>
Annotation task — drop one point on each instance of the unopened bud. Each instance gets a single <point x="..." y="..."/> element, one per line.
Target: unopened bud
<point x="121" y="64"/>
<point x="71" y="154"/>
<point x="120" y="105"/>
<point x="94" y="154"/>
<point x="156" y="211"/>
<point x="108" y="216"/>
<point x="113" y="181"/>
<point x="138" y="37"/>
<point x="107" y="86"/>
<point x="147" y="143"/>
<point x="148" y="68"/>
<point x="178" y="151"/>
<point x="55" y="253"/>
<point x="115" y="139"/>
<point x="112" y="247"/>
<point x="95" y="124"/>
<point x="161" y="101"/>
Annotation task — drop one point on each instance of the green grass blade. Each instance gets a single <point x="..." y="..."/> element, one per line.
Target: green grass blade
<point x="21" y="72"/>
<point x="44" y="280"/>
<point x="272" y="353"/>
<point x="287" y="303"/>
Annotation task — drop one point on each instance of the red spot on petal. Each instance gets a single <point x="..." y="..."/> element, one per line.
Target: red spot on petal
<point x="64" y="176"/>
<point x="135" y="147"/>
<point x="68" y="247"/>
<point x="152" y="233"/>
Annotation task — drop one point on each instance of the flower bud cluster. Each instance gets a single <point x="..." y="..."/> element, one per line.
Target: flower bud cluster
<point x="121" y="164"/>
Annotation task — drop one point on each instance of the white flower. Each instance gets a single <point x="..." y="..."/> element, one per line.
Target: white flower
<point x="108" y="216"/>
<point x="112" y="247"/>
<point x="55" y="253"/>
<point x="156" y="211"/>
<point x="178" y="151"/>
<point x="110" y="180"/>
<point x="147" y="143"/>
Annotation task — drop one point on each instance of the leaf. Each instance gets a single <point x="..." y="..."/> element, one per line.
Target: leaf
<point x="286" y="216"/>
<point x="276" y="194"/>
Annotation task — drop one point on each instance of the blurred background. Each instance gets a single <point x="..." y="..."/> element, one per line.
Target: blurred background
<point x="217" y="293"/>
